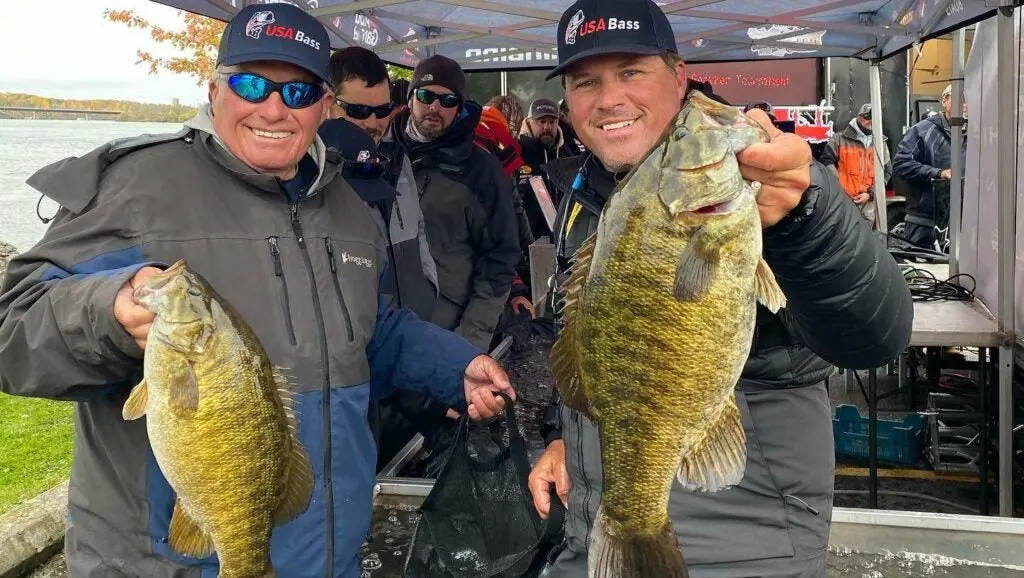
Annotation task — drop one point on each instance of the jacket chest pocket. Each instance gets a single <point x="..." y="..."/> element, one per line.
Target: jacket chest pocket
<point x="349" y="304"/>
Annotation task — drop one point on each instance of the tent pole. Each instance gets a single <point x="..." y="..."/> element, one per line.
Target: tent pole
<point x="958" y="169"/>
<point x="876" y="122"/>
<point x="1007" y="75"/>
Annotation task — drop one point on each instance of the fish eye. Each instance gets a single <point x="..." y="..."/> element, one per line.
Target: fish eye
<point x="194" y="291"/>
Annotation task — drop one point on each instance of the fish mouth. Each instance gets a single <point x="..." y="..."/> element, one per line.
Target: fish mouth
<point x="143" y="294"/>
<point x="720" y="208"/>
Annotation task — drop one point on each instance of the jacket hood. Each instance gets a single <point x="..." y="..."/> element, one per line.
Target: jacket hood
<point x="454" y="146"/>
<point x="202" y="123"/>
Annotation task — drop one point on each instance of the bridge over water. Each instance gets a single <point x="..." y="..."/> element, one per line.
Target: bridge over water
<point x="34" y="112"/>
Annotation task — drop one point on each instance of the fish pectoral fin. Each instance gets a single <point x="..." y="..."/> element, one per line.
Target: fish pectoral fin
<point x="618" y="554"/>
<point x="186" y="537"/>
<point x="566" y="351"/>
<point x="719" y="462"/>
<point x="297" y="489"/>
<point x="768" y="291"/>
<point x="135" y="405"/>
<point x="185" y="389"/>
<point x="696" y="269"/>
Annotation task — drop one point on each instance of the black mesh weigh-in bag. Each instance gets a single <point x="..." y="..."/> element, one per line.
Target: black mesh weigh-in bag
<point x="479" y="520"/>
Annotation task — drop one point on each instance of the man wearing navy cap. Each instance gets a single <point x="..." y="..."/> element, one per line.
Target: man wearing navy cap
<point x="249" y="196"/>
<point x="847" y="306"/>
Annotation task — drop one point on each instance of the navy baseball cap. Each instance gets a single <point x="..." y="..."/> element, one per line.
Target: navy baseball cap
<point x="362" y="166"/>
<point x="597" y="27"/>
<point x="277" y="32"/>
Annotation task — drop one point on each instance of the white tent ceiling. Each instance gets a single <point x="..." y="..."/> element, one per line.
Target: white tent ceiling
<point x="491" y="34"/>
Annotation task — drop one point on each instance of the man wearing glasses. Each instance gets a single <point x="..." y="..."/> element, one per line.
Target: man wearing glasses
<point x="249" y="196"/>
<point x="465" y="198"/>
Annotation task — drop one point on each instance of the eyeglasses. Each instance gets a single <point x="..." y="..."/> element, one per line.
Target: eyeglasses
<point x="760" y="104"/>
<point x="428" y="97"/>
<point x="255" y="88"/>
<point x="363" y="111"/>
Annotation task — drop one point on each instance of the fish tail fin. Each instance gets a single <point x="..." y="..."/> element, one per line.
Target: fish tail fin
<point x="718" y="462"/>
<point x="614" y="555"/>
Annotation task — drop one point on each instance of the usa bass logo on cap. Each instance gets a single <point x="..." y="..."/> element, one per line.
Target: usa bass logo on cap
<point x="255" y="24"/>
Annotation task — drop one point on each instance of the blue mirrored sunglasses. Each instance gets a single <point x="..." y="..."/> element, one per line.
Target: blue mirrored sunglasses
<point x="255" y="88"/>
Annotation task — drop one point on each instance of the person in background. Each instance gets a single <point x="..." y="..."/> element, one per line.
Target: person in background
<point x="850" y="154"/>
<point x="362" y="97"/>
<point x="493" y="136"/>
<point x="924" y="156"/>
<point x="468" y="209"/>
<point x="542" y="141"/>
<point x="624" y="88"/>
<point x="249" y="197"/>
<point x="512" y="110"/>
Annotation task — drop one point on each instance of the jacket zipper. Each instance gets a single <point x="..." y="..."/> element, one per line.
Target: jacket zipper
<point x="426" y="183"/>
<point x="337" y="290"/>
<point x="587" y="490"/>
<point x="275" y="253"/>
<point x="325" y="391"/>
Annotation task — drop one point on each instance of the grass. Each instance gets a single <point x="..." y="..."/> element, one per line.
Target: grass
<point x="35" y="447"/>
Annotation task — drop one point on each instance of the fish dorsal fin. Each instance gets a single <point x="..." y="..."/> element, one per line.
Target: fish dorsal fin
<point x="565" y="353"/>
<point x="186" y="537"/>
<point x="135" y="405"/>
<point x="297" y="486"/>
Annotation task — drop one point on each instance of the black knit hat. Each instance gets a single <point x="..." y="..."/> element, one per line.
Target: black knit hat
<point x="441" y="71"/>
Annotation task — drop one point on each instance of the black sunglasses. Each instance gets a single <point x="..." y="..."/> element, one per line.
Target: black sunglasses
<point x="255" y="88"/>
<point x="428" y="97"/>
<point x="363" y="111"/>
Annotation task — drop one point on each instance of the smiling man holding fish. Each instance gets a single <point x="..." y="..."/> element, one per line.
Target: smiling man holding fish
<point x="251" y="198"/>
<point x="649" y="299"/>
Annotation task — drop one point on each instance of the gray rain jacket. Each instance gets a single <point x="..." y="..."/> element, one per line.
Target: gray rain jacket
<point x="305" y="276"/>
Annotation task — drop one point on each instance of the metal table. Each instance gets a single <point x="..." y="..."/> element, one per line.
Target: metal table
<point x="944" y="324"/>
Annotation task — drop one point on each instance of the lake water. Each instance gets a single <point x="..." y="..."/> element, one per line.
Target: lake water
<point x="28" y="145"/>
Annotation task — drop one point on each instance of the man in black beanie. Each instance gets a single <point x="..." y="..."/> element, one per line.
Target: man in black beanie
<point x="467" y="209"/>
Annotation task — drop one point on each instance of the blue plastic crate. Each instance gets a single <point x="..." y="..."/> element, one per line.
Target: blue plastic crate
<point x="896" y="441"/>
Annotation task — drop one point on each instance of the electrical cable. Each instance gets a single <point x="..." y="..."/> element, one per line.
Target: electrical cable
<point x="924" y="286"/>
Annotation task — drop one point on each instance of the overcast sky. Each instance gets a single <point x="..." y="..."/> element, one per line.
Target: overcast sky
<point x="67" y="49"/>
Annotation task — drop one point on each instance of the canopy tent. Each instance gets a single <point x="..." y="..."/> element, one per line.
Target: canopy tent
<point x="503" y="35"/>
<point x="490" y="34"/>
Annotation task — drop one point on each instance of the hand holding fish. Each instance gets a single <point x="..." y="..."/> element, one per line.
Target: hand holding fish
<point x="782" y="166"/>
<point x="485" y="378"/>
<point x="135" y="318"/>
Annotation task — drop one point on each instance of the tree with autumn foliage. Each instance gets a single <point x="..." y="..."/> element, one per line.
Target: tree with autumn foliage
<point x="198" y="42"/>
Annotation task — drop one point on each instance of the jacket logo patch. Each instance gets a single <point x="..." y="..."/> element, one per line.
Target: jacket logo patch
<point x="347" y="257"/>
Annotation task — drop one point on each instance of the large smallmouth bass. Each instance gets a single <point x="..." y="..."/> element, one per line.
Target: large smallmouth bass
<point x="659" y="311"/>
<point x="221" y="424"/>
